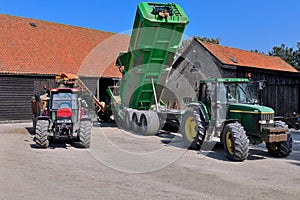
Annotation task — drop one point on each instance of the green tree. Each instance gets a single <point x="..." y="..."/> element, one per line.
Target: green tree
<point x="297" y="57"/>
<point x="257" y="51"/>
<point x="209" y="40"/>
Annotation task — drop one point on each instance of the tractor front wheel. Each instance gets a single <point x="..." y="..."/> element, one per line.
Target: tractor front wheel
<point x="280" y="149"/>
<point x="235" y="142"/>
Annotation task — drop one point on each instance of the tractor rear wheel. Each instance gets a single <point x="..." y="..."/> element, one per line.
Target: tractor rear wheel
<point x="192" y="129"/>
<point x="41" y="133"/>
<point x="235" y="142"/>
<point x="85" y="130"/>
<point x="280" y="149"/>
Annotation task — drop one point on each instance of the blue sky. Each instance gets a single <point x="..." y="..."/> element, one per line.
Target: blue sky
<point x="248" y="24"/>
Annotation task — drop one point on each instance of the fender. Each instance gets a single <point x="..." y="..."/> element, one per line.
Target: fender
<point x="43" y="118"/>
<point x="85" y="118"/>
<point x="201" y="107"/>
<point x="39" y="118"/>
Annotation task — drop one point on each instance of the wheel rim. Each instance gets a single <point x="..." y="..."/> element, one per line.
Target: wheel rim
<point x="273" y="146"/>
<point x="143" y="124"/>
<point x="229" y="143"/>
<point x="190" y="129"/>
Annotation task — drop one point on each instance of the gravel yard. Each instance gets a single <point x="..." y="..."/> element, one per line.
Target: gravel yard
<point x="122" y="165"/>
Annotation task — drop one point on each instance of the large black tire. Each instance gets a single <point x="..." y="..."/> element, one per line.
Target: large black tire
<point x="85" y="131"/>
<point x="280" y="149"/>
<point x="149" y="123"/>
<point x="192" y="129"/>
<point x="235" y="142"/>
<point x="41" y="133"/>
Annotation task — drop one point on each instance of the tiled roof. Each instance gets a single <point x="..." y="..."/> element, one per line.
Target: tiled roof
<point x="242" y="58"/>
<point x="29" y="46"/>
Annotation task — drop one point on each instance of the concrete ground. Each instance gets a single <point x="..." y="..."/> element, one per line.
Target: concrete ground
<point x="122" y="165"/>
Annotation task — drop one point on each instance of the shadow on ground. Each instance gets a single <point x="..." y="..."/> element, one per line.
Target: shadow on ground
<point x="213" y="150"/>
<point x="54" y="144"/>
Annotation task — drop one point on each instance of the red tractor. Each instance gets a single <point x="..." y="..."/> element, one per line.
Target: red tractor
<point x="64" y="117"/>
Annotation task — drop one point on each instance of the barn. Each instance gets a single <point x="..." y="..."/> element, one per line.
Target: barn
<point x="33" y="52"/>
<point x="276" y="82"/>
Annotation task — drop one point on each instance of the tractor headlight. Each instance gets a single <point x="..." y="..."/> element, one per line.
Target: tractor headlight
<point x="262" y="121"/>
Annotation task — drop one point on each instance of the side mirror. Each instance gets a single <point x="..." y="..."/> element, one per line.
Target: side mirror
<point x="84" y="104"/>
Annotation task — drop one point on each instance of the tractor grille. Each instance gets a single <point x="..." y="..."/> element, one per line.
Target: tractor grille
<point x="266" y="121"/>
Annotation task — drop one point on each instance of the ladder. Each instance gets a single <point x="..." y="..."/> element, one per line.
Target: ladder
<point x="96" y="100"/>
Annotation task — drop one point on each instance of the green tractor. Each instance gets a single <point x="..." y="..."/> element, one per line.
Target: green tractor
<point x="226" y="109"/>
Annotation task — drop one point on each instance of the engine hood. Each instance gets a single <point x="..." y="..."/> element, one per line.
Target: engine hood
<point x="248" y="108"/>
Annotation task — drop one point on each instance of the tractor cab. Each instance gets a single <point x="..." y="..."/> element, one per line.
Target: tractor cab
<point x="219" y="94"/>
<point x="64" y="110"/>
<point x="64" y="99"/>
<point x="227" y="91"/>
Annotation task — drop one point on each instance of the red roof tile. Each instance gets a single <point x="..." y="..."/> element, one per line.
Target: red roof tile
<point x="242" y="58"/>
<point x="51" y="48"/>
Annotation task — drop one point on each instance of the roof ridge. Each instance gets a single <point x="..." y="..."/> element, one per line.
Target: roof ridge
<point x="55" y="23"/>
<point x="248" y="51"/>
<point x="244" y="58"/>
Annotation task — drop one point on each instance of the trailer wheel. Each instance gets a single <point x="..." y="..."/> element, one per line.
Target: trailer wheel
<point x="280" y="149"/>
<point x="144" y="124"/>
<point x="149" y="123"/>
<point x="192" y="129"/>
<point x="235" y="142"/>
<point x="85" y="130"/>
<point x="41" y="134"/>
<point x="127" y="121"/>
<point x="135" y="124"/>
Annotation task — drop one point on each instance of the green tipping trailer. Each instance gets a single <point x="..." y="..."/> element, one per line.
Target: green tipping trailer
<point x="156" y="35"/>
